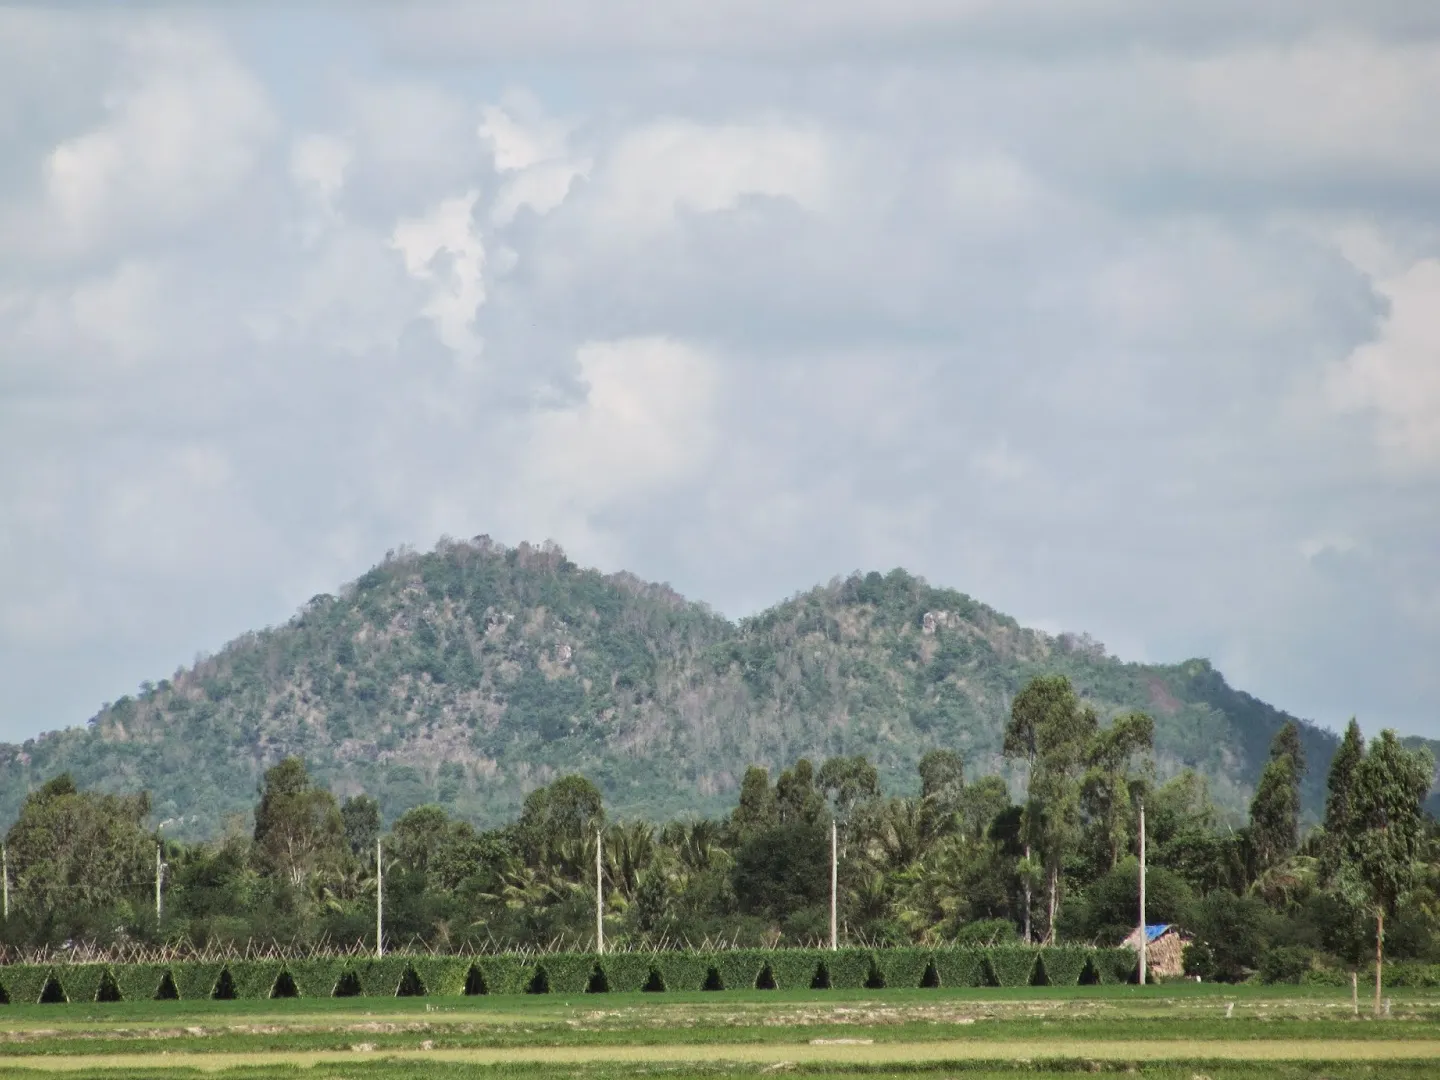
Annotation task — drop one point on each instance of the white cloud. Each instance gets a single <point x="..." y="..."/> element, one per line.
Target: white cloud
<point x="1012" y="294"/>
<point x="755" y="27"/>
<point x="995" y="193"/>
<point x="520" y="135"/>
<point x="184" y="131"/>
<point x="444" y="248"/>
<point x="1332" y="103"/>
<point x="541" y="188"/>
<point x="1313" y="547"/>
<point x="114" y="319"/>
<point x="532" y="152"/>
<point x="676" y="165"/>
<point x="1397" y="376"/>
<point x="999" y="464"/>
<point x="646" y="424"/>
<point x="318" y="164"/>
<point x="404" y="126"/>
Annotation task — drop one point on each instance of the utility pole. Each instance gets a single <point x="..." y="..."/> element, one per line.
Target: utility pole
<point x="159" y="876"/>
<point x="5" y="878"/>
<point x="834" y="882"/>
<point x="1144" y="937"/>
<point x="379" y="902"/>
<point x="599" y="896"/>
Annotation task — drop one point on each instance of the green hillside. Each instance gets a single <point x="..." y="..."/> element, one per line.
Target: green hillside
<point x="470" y="674"/>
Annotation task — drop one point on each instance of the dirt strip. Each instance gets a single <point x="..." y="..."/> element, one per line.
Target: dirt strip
<point x="769" y="1053"/>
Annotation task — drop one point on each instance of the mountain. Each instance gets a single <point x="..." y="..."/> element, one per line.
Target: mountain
<point x="470" y="674"/>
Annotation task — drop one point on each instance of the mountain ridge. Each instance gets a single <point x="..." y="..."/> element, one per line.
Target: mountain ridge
<point x="471" y="673"/>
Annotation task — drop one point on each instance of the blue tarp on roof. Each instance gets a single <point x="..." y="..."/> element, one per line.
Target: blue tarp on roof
<point x="1155" y="930"/>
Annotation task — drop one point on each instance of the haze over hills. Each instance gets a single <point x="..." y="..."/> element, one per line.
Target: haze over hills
<point x="470" y="674"/>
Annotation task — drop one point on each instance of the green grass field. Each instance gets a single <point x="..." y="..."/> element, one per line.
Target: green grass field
<point x="1184" y="1031"/>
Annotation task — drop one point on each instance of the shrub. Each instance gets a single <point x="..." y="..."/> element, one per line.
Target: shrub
<point x="848" y="968"/>
<point x="683" y="970"/>
<point x="506" y="974"/>
<point x="196" y="981"/>
<point x="1063" y="965"/>
<point x="442" y="976"/>
<point x="1120" y="965"/>
<point x="381" y="976"/>
<point x="1199" y="960"/>
<point x="903" y="967"/>
<point x="986" y="932"/>
<point x="1325" y="976"/>
<point x="81" y="982"/>
<point x="739" y="969"/>
<point x="628" y="972"/>
<point x="316" y="978"/>
<point x="1011" y="965"/>
<point x="1234" y="928"/>
<point x="961" y="966"/>
<point x="1285" y="964"/>
<point x="139" y="982"/>
<point x="1405" y="974"/>
<point x="568" y="973"/>
<point x="24" y="983"/>
<point x="794" y="969"/>
<point x="576" y="973"/>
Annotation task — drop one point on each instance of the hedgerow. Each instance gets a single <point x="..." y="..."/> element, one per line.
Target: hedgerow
<point x="506" y="974"/>
<point x="794" y="969"/>
<point x="442" y="976"/>
<point x="380" y="976"/>
<point x="579" y="973"/>
<point x="138" y="982"/>
<point x="683" y="970"/>
<point x="628" y="972"/>
<point x="80" y="982"/>
<point x="739" y="969"/>
<point x="195" y="980"/>
<point x="1063" y="965"/>
<point x="316" y="977"/>
<point x="24" y="982"/>
<point x="961" y="966"/>
<point x="1010" y="965"/>
<point x="568" y="973"/>
<point x="1116" y="965"/>
<point x="848" y="969"/>
<point x="902" y="968"/>
<point x="253" y="979"/>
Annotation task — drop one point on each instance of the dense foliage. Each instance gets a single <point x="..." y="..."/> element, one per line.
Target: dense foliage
<point x="470" y="675"/>
<point x="942" y="884"/>
<point x="565" y="973"/>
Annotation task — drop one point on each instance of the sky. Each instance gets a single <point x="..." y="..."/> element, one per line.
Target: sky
<point x="1121" y="317"/>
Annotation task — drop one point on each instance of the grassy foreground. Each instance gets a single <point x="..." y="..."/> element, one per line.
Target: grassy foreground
<point x="1183" y="1031"/>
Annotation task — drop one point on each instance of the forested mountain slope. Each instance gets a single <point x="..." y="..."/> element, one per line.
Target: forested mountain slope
<point x="469" y="674"/>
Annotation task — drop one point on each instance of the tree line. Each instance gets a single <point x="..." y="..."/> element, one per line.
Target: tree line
<point x="961" y="861"/>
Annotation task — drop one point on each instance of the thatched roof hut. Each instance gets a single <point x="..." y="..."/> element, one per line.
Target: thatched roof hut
<point x="1164" y="949"/>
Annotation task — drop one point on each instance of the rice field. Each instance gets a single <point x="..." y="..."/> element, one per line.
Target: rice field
<point x="1185" y="1031"/>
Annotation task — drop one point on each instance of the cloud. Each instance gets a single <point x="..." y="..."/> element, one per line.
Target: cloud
<point x="1112" y="311"/>
<point x="755" y="28"/>
<point x="519" y="133"/>
<point x="318" y="164"/>
<point x="1322" y="104"/>
<point x="444" y="247"/>
<point x="184" y="130"/>
<point x="672" y="166"/>
<point x="114" y="316"/>
<point x="645" y="425"/>
<point x="531" y="150"/>
<point x="1396" y="377"/>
